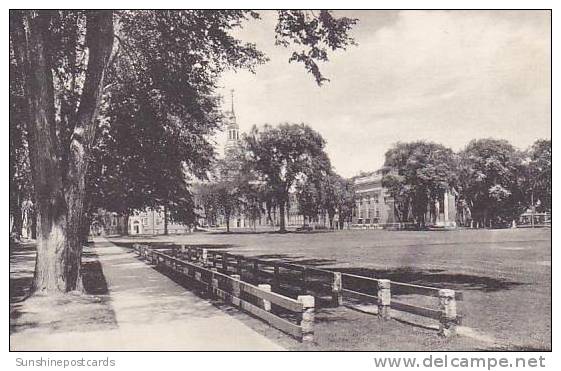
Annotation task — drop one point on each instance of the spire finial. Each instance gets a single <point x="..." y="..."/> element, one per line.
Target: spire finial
<point x="232" y="97"/>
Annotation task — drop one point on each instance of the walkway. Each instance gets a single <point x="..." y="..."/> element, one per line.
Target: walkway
<point x="152" y="313"/>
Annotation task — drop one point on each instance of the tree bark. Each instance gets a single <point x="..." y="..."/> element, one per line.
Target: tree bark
<point x="59" y="195"/>
<point x="99" y="40"/>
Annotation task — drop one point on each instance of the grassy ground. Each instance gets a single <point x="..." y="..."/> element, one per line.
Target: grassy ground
<point x="505" y="276"/>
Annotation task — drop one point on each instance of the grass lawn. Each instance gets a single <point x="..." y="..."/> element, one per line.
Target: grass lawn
<point x="505" y="276"/>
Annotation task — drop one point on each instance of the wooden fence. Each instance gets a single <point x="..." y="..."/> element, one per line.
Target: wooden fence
<point x="336" y="286"/>
<point x="446" y="313"/>
<point x="258" y="300"/>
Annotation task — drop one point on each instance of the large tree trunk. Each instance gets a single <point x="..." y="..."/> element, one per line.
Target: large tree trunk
<point x="59" y="195"/>
<point x="99" y="40"/>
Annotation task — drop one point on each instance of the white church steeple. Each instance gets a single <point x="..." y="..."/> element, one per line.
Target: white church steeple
<point x="232" y="128"/>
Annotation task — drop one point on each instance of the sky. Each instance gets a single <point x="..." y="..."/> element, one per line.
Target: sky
<point x="443" y="76"/>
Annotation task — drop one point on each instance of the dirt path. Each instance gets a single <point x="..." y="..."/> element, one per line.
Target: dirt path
<point x="152" y="313"/>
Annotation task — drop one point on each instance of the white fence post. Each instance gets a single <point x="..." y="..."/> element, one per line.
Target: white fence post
<point x="337" y="289"/>
<point x="236" y="290"/>
<point x="384" y="298"/>
<point x="213" y="283"/>
<point x="265" y="304"/>
<point x="204" y="257"/>
<point x="448" y="320"/>
<point x="308" y="317"/>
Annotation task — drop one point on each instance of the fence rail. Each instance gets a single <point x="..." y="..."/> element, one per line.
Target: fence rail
<point x="340" y="286"/>
<point x="233" y="290"/>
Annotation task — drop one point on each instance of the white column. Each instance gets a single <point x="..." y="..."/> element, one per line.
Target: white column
<point x="446" y="206"/>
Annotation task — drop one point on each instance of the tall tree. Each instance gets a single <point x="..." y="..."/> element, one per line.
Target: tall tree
<point x="490" y="177"/>
<point x="58" y="171"/>
<point x="538" y="184"/>
<point x="283" y="154"/>
<point x="417" y="174"/>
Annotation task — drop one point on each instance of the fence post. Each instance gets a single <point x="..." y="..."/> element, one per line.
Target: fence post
<point x="225" y="261"/>
<point x="265" y="304"/>
<point x="448" y="319"/>
<point x="308" y="316"/>
<point x="214" y="259"/>
<point x="236" y="289"/>
<point x="205" y="257"/>
<point x="255" y="269"/>
<point x="276" y="278"/>
<point x="384" y="298"/>
<point x="337" y="289"/>
<point x="304" y="281"/>
<point x="213" y="283"/>
<point x="239" y="263"/>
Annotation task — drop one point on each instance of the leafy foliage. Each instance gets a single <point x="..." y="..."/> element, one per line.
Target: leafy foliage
<point x="539" y="174"/>
<point x="281" y="155"/>
<point x="491" y="175"/>
<point x="315" y="35"/>
<point x="417" y="174"/>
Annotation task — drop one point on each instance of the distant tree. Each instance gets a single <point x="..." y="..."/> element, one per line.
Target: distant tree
<point x="309" y="200"/>
<point x="539" y="179"/>
<point x="490" y="178"/>
<point x="336" y="195"/>
<point x="416" y="174"/>
<point x="280" y="155"/>
<point x="347" y="202"/>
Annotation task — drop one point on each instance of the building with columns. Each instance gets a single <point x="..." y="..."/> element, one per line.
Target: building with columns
<point x="374" y="207"/>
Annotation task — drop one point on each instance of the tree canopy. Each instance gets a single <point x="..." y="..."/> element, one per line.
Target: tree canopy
<point x="280" y="155"/>
<point x="491" y="173"/>
<point x="416" y="174"/>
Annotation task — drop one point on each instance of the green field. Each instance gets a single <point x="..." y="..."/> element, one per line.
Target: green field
<point x="505" y="275"/>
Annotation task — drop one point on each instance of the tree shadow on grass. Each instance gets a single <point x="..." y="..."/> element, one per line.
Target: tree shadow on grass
<point x="298" y="260"/>
<point x="434" y="278"/>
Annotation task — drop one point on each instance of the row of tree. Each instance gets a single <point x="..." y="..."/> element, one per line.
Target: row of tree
<point x="270" y="164"/>
<point x="114" y="109"/>
<point x="494" y="182"/>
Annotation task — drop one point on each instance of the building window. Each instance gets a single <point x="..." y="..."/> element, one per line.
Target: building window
<point x="144" y="221"/>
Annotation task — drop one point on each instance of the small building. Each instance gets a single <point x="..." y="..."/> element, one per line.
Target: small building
<point x="152" y="222"/>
